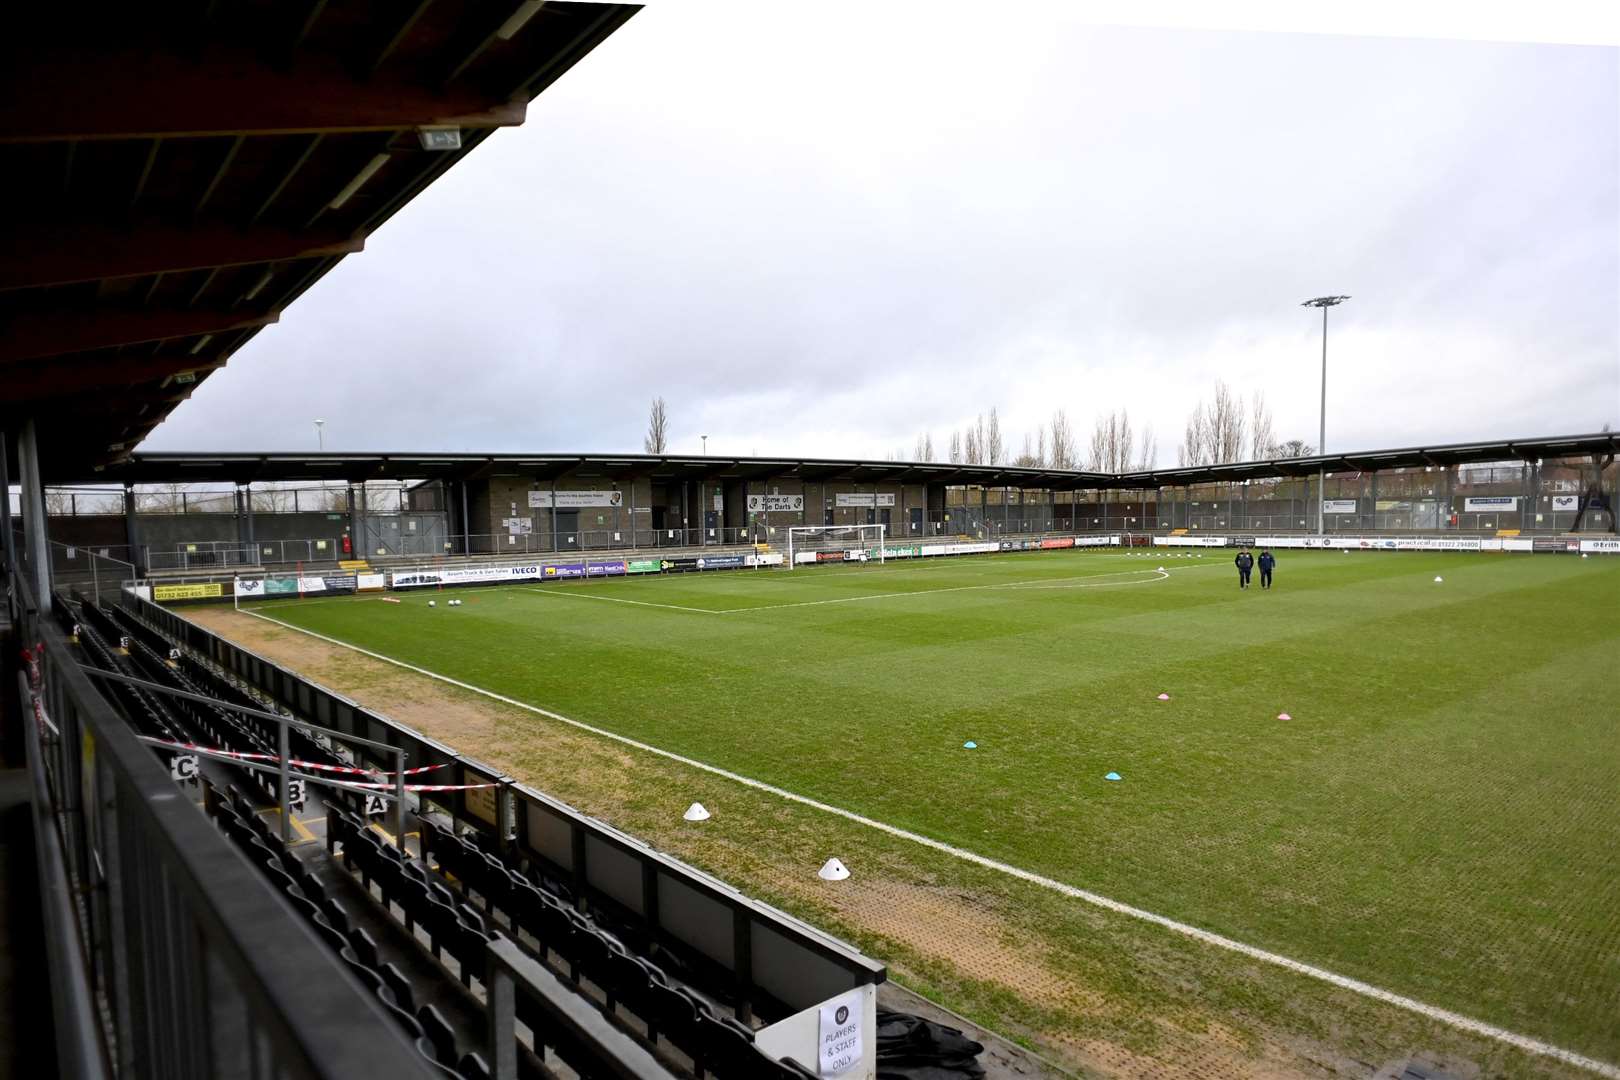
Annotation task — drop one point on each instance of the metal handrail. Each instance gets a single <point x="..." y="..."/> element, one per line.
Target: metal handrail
<point x="614" y="1054"/>
<point x="80" y="1046"/>
<point x="189" y="924"/>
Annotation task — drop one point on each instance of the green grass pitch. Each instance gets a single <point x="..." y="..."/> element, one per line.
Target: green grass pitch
<point x="1440" y="817"/>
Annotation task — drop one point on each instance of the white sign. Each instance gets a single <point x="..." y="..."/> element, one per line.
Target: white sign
<point x="573" y="500"/>
<point x="295" y="792"/>
<point x="1492" y="502"/>
<point x="375" y="804"/>
<point x="1608" y="547"/>
<point x="311" y="584"/>
<point x="1339" y="506"/>
<point x="767" y="503"/>
<point x="403" y="579"/>
<point x="859" y="499"/>
<point x="249" y="586"/>
<point x="183" y="768"/>
<point x="839" y="1035"/>
<point x="719" y="501"/>
<point x="1569" y="503"/>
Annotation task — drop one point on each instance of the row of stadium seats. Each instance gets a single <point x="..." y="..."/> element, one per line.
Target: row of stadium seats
<point x="719" y="1046"/>
<point x="144" y="711"/>
<point x="188" y="674"/>
<point x="425" y="1025"/>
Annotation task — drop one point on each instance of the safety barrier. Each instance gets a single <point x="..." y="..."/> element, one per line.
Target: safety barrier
<point x="770" y="963"/>
<point x="192" y="967"/>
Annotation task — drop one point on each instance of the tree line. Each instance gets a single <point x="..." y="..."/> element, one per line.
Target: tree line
<point x="1226" y="429"/>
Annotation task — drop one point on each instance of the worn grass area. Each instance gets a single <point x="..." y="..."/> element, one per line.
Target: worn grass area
<point x="1438" y="818"/>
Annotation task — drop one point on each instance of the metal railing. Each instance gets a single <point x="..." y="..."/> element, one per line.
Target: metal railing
<point x="198" y="969"/>
<point x="772" y="963"/>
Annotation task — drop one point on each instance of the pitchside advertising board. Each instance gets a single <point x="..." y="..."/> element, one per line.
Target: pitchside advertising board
<point x="1339" y="506"/>
<point x="1491" y="504"/>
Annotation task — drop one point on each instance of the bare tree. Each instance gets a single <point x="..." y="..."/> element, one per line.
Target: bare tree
<point x="995" y="451"/>
<point x="1113" y="444"/>
<point x="1292" y="448"/>
<point x="657" y="440"/>
<point x="1148" y="458"/>
<point x="1027" y="459"/>
<point x="956" y="448"/>
<point x="925" y="447"/>
<point x="1063" y="450"/>
<point x="1216" y="433"/>
<point x="1227" y="424"/>
<point x="973" y="445"/>
<point x="1260" y="431"/>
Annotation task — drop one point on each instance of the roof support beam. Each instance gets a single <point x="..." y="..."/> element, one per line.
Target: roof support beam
<point x="58" y="254"/>
<point x="41" y="381"/>
<point x="56" y="94"/>
<point x="31" y="334"/>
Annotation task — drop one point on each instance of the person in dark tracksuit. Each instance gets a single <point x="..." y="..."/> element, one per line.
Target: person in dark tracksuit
<point x="1245" y="565"/>
<point x="1267" y="561"/>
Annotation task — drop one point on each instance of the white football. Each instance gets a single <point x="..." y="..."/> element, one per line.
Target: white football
<point x="432" y="603"/>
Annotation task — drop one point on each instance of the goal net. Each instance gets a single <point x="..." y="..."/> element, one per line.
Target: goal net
<point x="811" y="544"/>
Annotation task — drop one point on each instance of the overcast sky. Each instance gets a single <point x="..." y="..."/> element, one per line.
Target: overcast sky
<point x="821" y="229"/>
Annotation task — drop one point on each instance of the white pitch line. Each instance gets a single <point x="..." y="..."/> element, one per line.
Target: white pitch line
<point x="961" y="588"/>
<point x="1220" y="941"/>
<point x="622" y="600"/>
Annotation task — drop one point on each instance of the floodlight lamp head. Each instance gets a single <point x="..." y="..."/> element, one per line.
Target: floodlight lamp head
<point x="1325" y="301"/>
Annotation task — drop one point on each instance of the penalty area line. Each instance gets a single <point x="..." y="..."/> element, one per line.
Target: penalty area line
<point x="1207" y="937"/>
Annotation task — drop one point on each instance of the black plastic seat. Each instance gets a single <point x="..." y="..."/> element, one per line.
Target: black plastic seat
<point x="439" y="1033"/>
<point x="401" y="987"/>
<point x="473" y="1067"/>
<point x="364" y="947"/>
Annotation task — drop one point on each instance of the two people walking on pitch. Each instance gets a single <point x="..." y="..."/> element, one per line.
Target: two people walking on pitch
<point x="1245" y="566"/>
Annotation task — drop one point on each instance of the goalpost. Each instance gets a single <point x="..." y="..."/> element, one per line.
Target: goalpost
<point x="810" y="544"/>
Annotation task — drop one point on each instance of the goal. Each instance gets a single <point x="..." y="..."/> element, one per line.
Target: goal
<point x="809" y="544"/>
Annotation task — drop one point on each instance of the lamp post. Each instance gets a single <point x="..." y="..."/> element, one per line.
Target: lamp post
<point x="705" y="439"/>
<point x="320" y="434"/>
<point x="1323" y="302"/>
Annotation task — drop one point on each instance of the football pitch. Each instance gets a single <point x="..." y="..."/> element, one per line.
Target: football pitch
<point x="1439" y="816"/>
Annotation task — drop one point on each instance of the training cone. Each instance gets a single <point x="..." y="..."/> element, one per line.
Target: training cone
<point x="833" y="870"/>
<point x="1284" y="716"/>
<point x="1113" y="776"/>
<point x="1164" y="697"/>
<point x="695" y="812"/>
<point x="1438" y="579"/>
<point x="970" y="745"/>
<point x="1161" y="569"/>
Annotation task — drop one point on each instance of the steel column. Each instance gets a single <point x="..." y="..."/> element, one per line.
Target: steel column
<point x="36" y="538"/>
<point x="7" y="544"/>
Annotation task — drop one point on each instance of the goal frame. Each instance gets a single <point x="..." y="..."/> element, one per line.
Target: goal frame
<point x="871" y="538"/>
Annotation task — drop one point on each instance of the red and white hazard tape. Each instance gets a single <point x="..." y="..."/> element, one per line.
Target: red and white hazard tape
<point x="410" y="787"/>
<point x="245" y="755"/>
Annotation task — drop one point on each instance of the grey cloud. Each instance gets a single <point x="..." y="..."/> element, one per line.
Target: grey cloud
<point x="812" y="241"/>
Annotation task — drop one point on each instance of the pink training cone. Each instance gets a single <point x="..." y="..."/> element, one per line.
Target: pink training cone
<point x="1164" y="697"/>
<point x="1284" y="716"/>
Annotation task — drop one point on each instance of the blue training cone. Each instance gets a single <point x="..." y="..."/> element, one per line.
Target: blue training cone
<point x="970" y="745"/>
<point x="1113" y="776"/>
